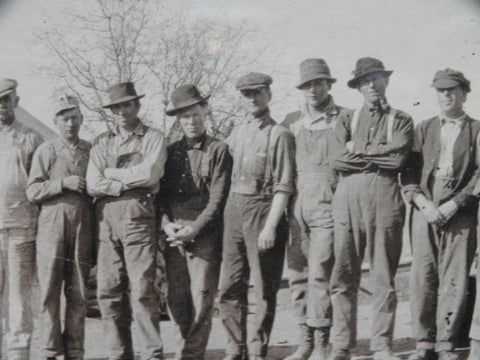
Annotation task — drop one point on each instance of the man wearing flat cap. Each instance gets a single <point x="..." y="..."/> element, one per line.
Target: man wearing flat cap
<point x="310" y="251"/>
<point x="440" y="181"/>
<point x="369" y="149"/>
<point x="65" y="232"/>
<point x="17" y="223"/>
<point x="255" y="226"/>
<point x="124" y="171"/>
<point x="192" y="197"/>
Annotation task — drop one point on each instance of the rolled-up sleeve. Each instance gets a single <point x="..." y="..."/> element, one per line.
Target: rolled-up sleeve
<point x="40" y="187"/>
<point x="283" y="171"/>
<point x="150" y="170"/>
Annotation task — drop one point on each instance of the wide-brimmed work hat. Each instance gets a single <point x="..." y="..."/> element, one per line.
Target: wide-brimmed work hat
<point x="122" y="92"/>
<point x="64" y="103"/>
<point x="253" y="81"/>
<point x="450" y="78"/>
<point x="313" y="69"/>
<point x="183" y="97"/>
<point x="7" y="86"/>
<point x="366" y="66"/>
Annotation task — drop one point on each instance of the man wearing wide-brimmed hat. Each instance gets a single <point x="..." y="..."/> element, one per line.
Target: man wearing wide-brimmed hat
<point x="310" y="251"/>
<point x="18" y="220"/>
<point x="443" y="171"/>
<point x="124" y="171"/>
<point x="191" y="201"/>
<point x="65" y="232"/>
<point x="369" y="149"/>
<point x="255" y="226"/>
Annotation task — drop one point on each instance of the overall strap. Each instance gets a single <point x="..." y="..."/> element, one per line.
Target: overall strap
<point x="354" y="122"/>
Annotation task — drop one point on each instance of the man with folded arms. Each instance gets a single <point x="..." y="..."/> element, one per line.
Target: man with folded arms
<point x="124" y="171"/>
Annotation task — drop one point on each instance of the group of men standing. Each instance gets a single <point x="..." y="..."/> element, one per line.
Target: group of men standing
<point x="331" y="178"/>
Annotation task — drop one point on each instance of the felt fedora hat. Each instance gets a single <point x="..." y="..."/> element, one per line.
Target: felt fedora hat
<point x="184" y="96"/>
<point x="312" y="69"/>
<point x="364" y="67"/>
<point x="122" y="92"/>
<point x="450" y="78"/>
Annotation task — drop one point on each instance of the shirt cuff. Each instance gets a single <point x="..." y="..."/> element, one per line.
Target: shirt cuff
<point x="56" y="186"/>
<point x="286" y="188"/>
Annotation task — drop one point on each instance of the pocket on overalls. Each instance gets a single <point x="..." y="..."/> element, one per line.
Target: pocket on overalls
<point x="141" y="208"/>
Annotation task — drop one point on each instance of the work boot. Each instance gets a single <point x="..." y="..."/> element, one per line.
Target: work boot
<point x="305" y="345"/>
<point x="339" y="354"/>
<point x="448" y="355"/>
<point x="474" y="350"/>
<point x="423" y="354"/>
<point x="385" y="355"/>
<point x="320" y="350"/>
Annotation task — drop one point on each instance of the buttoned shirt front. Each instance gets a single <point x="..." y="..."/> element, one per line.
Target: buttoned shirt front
<point x="52" y="162"/>
<point x="17" y="145"/>
<point x="449" y="130"/>
<point x="124" y="161"/>
<point x="263" y="157"/>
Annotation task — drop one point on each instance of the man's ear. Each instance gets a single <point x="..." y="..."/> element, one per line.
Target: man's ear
<point x="17" y="100"/>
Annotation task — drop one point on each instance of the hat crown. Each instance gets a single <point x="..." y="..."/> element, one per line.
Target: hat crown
<point x="7" y="85"/>
<point x="253" y="80"/>
<point x="450" y="78"/>
<point x="312" y="69"/>
<point x="185" y="93"/>
<point x="122" y="90"/>
<point x="367" y="65"/>
<point x="66" y="102"/>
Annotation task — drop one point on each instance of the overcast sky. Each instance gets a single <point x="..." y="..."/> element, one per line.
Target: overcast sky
<point x="412" y="37"/>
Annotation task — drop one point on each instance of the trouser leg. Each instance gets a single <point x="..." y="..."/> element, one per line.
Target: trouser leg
<point x="475" y="327"/>
<point x="234" y="280"/>
<point x="51" y="262"/>
<point x="423" y="281"/>
<point x="455" y="258"/>
<point x="266" y="271"/>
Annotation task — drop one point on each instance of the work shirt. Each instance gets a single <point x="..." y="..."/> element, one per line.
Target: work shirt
<point x="17" y="145"/>
<point x="197" y="177"/>
<point x="52" y="162"/>
<point x="371" y="150"/>
<point x="121" y="162"/>
<point x="264" y="157"/>
<point x="449" y="130"/>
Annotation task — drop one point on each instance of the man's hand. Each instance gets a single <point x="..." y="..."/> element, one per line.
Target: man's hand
<point x="350" y="145"/>
<point x="171" y="229"/>
<point x="266" y="238"/>
<point x="448" y="209"/>
<point x="186" y="234"/>
<point x="74" y="183"/>
<point x="429" y="210"/>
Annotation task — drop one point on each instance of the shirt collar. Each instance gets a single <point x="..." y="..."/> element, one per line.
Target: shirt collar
<point x="458" y="121"/>
<point x="261" y="120"/>
<point x="197" y="143"/>
<point x="139" y="130"/>
<point x="81" y="145"/>
<point x="380" y="108"/>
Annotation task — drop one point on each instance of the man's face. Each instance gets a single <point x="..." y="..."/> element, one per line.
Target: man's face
<point x="373" y="87"/>
<point x="192" y="120"/>
<point x="316" y="91"/>
<point x="8" y="103"/>
<point x="68" y="124"/>
<point x="125" y="114"/>
<point x="451" y="100"/>
<point x="256" y="100"/>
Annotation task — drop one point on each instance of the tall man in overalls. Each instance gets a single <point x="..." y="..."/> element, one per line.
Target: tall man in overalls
<point x="310" y="251"/>
<point x="444" y="171"/>
<point x="192" y="197"/>
<point x="370" y="147"/>
<point x="255" y="226"/>
<point x="124" y="171"/>
<point x="65" y="232"/>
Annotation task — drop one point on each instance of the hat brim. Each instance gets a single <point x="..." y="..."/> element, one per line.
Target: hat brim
<point x="446" y="83"/>
<point x="171" y="111"/>
<point x="325" y="76"/>
<point x="122" y="100"/>
<point x="65" y="109"/>
<point x="352" y="83"/>
<point x="6" y="92"/>
<point x="251" y="87"/>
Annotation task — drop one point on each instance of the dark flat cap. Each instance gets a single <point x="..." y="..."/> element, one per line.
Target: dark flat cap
<point x="449" y="78"/>
<point x="253" y="81"/>
<point x="183" y="97"/>
<point x="66" y="102"/>
<point x="366" y="66"/>
<point x="312" y="69"/>
<point x="7" y="86"/>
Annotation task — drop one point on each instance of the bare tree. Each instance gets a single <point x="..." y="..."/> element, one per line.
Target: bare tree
<point x="95" y="43"/>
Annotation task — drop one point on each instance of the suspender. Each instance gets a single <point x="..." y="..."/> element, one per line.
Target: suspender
<point x="390" y="121"/>
<point x="267" y="177"/>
